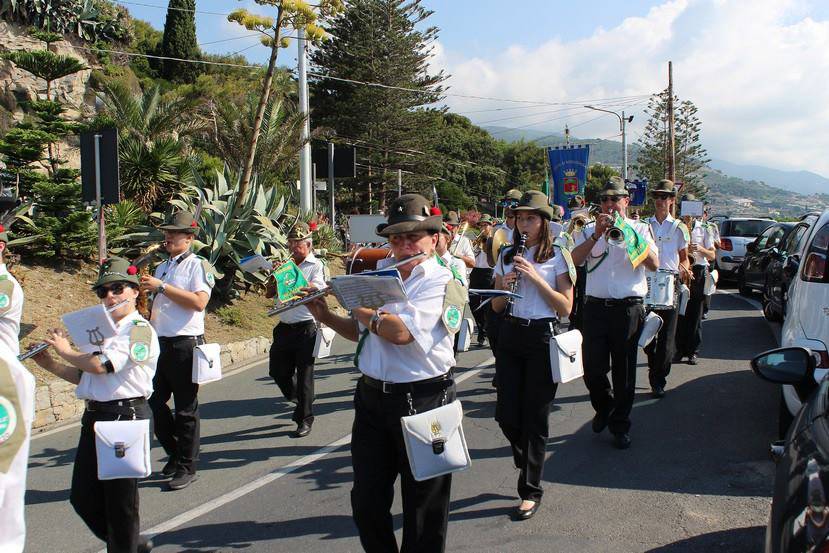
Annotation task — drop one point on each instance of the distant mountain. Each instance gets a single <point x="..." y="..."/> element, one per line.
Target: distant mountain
<point x="802" y="182"/>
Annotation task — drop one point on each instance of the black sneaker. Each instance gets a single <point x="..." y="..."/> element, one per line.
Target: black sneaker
<point x="145" y="545"/>
<point x="182" y="479"/>
<point x="692" y="360"/>
<point x="658" y="392"/>
<point x="600" y="422"/>
<point x="170" y="468"/>
<point x="621" y="440"/>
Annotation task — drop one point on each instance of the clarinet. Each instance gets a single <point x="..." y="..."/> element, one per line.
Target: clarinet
<point x="521" y="249"/>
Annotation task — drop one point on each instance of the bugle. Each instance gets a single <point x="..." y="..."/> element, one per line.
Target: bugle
<point x="287" y="306"/>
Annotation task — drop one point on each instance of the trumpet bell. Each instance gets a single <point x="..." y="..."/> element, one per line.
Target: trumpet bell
<point x="501" y="238"/>
<point x="615" y="236"/>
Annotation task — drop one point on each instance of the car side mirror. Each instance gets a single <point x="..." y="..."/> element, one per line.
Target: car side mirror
<point x="793" y="365"/>
<point x="751" y="247"/>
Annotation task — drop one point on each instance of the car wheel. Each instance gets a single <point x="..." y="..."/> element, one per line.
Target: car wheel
<point x="770" y="314"/>
<point x="784" y="418"/>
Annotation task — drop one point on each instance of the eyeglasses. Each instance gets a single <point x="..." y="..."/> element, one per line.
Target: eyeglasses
<point x="661" y="196"/>
<point x="510" y="216"/>
<point x="613" y="199"/>
<point x="116" y="289"/>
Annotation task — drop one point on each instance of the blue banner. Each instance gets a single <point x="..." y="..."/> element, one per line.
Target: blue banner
<point x="638" y="191"/>
<point x="568" y="164"/>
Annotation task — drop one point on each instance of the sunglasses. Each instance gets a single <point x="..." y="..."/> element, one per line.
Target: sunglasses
<point x="660" y="196"/>
<point x="613" y="199"/>
<point x="116" y="289"/>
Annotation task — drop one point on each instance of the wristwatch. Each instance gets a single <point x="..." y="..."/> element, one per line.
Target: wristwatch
<point x="160" y="288"/>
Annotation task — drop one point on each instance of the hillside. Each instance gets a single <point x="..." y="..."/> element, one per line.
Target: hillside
<point x="802" y="182"/>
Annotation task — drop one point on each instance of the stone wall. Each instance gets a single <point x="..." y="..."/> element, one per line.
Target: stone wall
<point x="56" y="404"/>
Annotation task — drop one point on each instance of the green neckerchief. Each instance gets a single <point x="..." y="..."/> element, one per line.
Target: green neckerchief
<point x="452" y="268"/>
<point x="360" y="343"/>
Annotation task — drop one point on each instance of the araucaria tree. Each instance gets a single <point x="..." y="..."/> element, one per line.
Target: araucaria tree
<point x="690" y="155"/>
<point x="378" y="41"/>
<point x="179" y="40"/>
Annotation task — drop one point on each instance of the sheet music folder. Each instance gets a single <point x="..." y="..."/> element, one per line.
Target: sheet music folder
<point x="369" y="289"/>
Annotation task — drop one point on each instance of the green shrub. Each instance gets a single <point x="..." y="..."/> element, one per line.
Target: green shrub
<point x="231" y="316"/>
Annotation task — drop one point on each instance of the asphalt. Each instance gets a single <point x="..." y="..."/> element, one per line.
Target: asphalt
<point x="697" y="478"/>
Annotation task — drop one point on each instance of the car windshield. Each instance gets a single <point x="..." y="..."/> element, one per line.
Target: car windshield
<point x="745" y="228"/>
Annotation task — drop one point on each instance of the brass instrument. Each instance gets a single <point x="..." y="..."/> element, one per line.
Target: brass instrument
<point x="287" y="306"/>
<point x="577" y="224"/>
<point x="501" y="238"/>
<point x="460" y="232"/>
<point x="479" y="243"/>
<point x="614" y="236"/>
<point x="143" y="264"/>
<point x="521" y="249"/>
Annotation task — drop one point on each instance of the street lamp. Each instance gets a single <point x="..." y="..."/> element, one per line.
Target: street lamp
<point x="622" y="121"/>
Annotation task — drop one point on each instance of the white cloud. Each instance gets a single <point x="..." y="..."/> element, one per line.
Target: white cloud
<point x="756" y="69"/>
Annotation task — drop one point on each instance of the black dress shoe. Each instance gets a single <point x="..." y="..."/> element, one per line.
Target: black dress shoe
<point x="621" y="440"/>
<point x="302" y="430"/>
<point x="170" y="468"/>
<point x="692" y="360"/>
<point x="600" y="422"/>
<point x="658" y="392"/>
<point x="145" y="545"/>
<point x="182" y="479"/>
<point x="526" y="514"/>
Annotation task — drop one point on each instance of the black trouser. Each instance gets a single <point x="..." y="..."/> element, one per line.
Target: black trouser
<point x="108" y="507"/>
<point x="179" y="434"/>
<point x="577" y="314"/>
<point x="379" y="456"/>
<point x="525" y="392"/>
<point x="292" y="366"/>
<point x="480" y="279"/>
<point x="689" y="333"/>
<point x="611" y="344"/>
<point x="661" y="350"/>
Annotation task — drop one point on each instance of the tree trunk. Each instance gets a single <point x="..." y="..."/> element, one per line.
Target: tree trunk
<point x="260" y="112"/>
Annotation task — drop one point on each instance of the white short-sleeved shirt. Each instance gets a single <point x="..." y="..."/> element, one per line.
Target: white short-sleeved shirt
<point x="314" y="272"/>
<point x="462" y="247"/>
<point x="131" y="378"/>
<point x="459" y="266"/>
<point x="10" y="320"/>
<point x="670" y="240"/>
<point x="430" y="354"/>
<point x="555" y="229"/>
<point x="169" y="318"/>
<point x="614" y="277"/>
<point x="702" y="235"/>
<point x="531" y="304"/>
<point x="481" y="261"/>
<point x="13" y="483"/>
<point x="500" y="226"/>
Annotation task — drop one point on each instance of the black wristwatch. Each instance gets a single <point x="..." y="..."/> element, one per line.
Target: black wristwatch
<point x="160" y="288"/>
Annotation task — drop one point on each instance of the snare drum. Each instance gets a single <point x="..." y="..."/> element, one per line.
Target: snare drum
<point x="661" y="288"/>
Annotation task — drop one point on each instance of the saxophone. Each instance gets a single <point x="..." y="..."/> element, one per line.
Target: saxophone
<point x="520" y="249"/>
<point x="143" y="264"/>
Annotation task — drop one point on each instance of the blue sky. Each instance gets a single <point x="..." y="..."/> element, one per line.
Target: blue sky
<point x="754" y="68"/>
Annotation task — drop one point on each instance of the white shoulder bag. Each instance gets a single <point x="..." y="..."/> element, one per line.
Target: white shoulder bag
<point x="207" y="363"/>
<point x="435" y="443"/>
<point x="651" y="327"/>
<point x="465" y="334"/>
<point x="123" y="449"/>
<point x="565" y="356"/>
<point x="324" y="341"/>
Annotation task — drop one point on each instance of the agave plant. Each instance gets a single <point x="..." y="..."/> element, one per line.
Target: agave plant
<point x="224" y="239"/>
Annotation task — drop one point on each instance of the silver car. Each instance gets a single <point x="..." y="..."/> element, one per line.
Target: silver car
<point x="735" y="233"/>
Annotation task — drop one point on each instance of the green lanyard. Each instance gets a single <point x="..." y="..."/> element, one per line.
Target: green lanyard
<point x="601" y="260"/>
<point x="360" y="343"/>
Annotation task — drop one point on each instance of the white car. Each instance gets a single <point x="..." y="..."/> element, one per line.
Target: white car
<point x="735" y="233"/>
<point x="807" y="314"/>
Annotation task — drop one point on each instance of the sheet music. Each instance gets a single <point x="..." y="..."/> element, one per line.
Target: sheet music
<point x="367" y="290"/>
<point x="89" y="327"/>
<point x="253" y="263"/>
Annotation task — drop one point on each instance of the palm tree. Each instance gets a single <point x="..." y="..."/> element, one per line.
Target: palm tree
<point x="153" y="150"/>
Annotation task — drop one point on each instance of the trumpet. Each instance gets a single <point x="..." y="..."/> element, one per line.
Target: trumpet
<point x="287" y="306"/>
<point x="578" y="223"/>
<point x="614" y="236"/>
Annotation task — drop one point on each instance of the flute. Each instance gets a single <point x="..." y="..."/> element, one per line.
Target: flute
<point x="43" y="345"/>
<point x="323" y="291"/>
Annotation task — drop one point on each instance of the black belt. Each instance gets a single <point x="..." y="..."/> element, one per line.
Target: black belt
<point x="117" y="406"/>
<point x="430" y="385"/>
<point x="530" y="322"/>
<point x="615" y="302"/>
<point x="300" y="324"/>
<point x="175" y="339"/>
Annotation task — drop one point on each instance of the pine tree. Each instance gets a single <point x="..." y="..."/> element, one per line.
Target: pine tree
<point x="179" y="40"/>
<point x="378" y="41"/>
<point x="691" y="157"/>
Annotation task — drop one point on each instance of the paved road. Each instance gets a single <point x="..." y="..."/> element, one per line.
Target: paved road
<point x="697" y="478"/>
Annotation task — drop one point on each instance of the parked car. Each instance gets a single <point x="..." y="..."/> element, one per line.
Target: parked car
<point x="797" y="522"/>
<point x="751" y="276"/>
<point x="735" y="233"/>
<point x="807" y="312"/>
<point x="782" y="268"/>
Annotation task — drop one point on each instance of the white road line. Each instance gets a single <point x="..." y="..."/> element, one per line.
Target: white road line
<point x="275" y="474"/>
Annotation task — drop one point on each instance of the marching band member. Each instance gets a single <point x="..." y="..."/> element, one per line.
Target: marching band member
<point x="509" y="201"/>
<point x="701" y="248"/>
<point x="576" y="204"/>
<point x="11" y="301"/>
<point x="671" y="240"/>
<point x="714" y="229"/>
<point x="460" y="246"/>
<point x="115" y="382"/>
<point x="291" y="357"/>
<point x="613" y="314"/>
<point x="182" y="287"/>
<point x="525" y="383"/>
<point x="17" y="412"/>
<point x="481" y="277"/>
<point x="454" y="263"/>
<point x="405" y="357"/>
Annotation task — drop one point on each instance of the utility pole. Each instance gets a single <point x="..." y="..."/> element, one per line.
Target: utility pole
<point x="622" y="125"/>
<point x="671" y="135"/>
<point x="305" y="182"/>
<point x="566" y="134"/>
<point x="399" y="182"/>
<point x="331" y="184"/>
